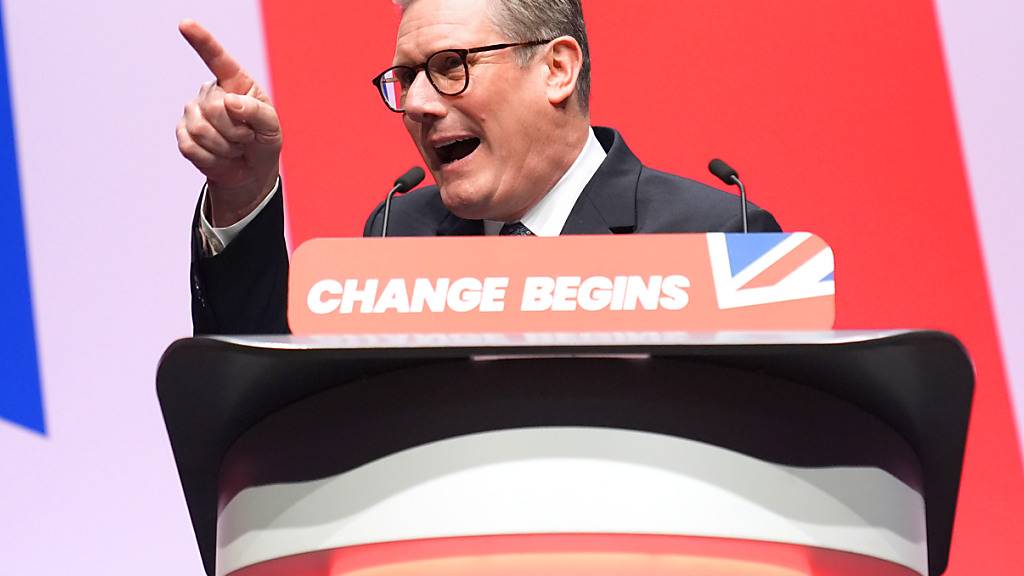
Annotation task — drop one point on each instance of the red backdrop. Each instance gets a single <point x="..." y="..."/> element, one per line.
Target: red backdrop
<point x="837" y="113"/>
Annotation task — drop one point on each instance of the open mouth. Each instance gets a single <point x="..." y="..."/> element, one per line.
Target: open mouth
<point x="457" y="150"/>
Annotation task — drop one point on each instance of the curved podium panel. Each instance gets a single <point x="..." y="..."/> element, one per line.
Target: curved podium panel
<point x="577" y="555"/>
<point x="827" y="453"/>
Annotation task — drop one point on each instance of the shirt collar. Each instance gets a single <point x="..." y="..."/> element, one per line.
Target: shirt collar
<point x="547" y="217"/>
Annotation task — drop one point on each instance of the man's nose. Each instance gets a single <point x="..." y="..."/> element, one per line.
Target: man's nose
<point x="422" y="100"/>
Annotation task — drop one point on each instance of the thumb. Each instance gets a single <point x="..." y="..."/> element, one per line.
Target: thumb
<point x="260" y="116"/>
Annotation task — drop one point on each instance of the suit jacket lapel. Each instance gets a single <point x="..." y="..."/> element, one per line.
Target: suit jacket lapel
<point x="607" y="204"/>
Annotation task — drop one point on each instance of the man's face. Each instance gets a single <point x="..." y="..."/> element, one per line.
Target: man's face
<point x="496" y="169"/>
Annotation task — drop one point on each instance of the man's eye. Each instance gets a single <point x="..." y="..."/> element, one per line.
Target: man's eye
<point x="446" y="63"/>
<point x="405" y="77"/>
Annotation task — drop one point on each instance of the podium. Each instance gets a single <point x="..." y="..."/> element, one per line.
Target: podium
<point x="570" y="452"/>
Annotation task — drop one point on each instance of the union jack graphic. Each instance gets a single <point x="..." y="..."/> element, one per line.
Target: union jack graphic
<point x="753" y="269"/>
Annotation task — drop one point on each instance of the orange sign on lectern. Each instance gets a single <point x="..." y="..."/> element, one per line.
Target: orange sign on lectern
<point x="572" y="283"/>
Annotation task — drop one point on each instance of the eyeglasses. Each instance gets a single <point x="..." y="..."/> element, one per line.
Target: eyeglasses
<point x="447" y="70"/>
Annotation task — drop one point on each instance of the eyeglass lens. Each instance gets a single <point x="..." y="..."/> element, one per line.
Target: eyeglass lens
<point x="446" y="71"/>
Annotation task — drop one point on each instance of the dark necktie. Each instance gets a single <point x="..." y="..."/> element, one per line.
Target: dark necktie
<point x="515" y="229"/>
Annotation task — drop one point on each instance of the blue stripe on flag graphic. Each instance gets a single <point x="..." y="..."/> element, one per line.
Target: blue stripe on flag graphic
<point x="21" y="399"/>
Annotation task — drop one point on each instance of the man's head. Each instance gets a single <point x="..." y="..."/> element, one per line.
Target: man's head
<point x="521" y="120"/>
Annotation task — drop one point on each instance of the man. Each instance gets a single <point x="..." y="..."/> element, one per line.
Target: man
<point x="495" y="95"/>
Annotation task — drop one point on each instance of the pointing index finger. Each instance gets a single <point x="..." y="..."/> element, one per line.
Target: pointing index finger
<point x="228" y="71"/>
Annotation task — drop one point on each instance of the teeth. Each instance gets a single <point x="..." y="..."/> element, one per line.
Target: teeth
<point x="450" y="142"/>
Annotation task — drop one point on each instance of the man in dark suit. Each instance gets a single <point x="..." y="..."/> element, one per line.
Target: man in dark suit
<point x="494" y="94"/>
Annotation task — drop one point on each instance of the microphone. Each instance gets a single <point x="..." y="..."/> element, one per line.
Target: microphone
<point x="403" y="184"/>
<point x="727" y="174"/>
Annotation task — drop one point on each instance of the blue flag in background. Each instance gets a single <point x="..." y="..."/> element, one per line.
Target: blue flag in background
<point x="21" y="399"/>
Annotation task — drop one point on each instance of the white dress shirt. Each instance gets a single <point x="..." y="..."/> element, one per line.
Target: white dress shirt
<point x="546" y="218"/>
<point x="217" y="239"/>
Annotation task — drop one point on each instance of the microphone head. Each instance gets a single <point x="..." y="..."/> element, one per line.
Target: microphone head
<point x="409" y="180"/>
<point x="723" y="171"/>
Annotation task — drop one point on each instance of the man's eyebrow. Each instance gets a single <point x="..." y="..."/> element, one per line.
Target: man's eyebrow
<point x="403" y="60"/>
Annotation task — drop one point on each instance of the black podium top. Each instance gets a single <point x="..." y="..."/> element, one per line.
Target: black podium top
<point x="213" y="389"/>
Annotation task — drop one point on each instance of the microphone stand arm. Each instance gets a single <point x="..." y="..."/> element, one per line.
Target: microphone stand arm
<point x="743" y="200"/>
<point x="387" y="211"/>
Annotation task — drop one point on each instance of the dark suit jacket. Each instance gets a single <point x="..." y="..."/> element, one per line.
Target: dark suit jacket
<point x="243" y="290"/>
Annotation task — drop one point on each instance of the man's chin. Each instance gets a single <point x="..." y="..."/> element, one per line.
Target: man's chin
<point x="465" y="202"/>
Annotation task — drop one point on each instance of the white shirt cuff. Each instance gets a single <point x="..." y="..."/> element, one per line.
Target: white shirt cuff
<point x="215" y="240"/>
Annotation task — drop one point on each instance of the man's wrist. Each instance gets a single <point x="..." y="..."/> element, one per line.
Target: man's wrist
<point x="227" y="206"/>
<point x="216" y="239"/>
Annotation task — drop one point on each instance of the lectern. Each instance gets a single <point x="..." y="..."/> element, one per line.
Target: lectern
<point x="570" y="452"/>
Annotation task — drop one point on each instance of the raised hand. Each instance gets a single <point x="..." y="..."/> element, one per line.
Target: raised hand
<point x="230" y="132"/>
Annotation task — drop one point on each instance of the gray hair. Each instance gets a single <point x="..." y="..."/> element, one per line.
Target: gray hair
<point x="528" y="20"/>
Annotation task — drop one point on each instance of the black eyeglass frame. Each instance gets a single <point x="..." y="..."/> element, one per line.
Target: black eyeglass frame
<point x="463" y="54"/>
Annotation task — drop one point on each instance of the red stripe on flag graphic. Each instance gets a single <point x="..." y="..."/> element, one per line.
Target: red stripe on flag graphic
<point x="787" y="264"/>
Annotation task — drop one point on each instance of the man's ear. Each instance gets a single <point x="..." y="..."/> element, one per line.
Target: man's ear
<point x="564" y="62"/>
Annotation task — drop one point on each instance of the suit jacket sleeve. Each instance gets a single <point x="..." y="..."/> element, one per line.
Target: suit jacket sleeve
<point x="244" y="289"/>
